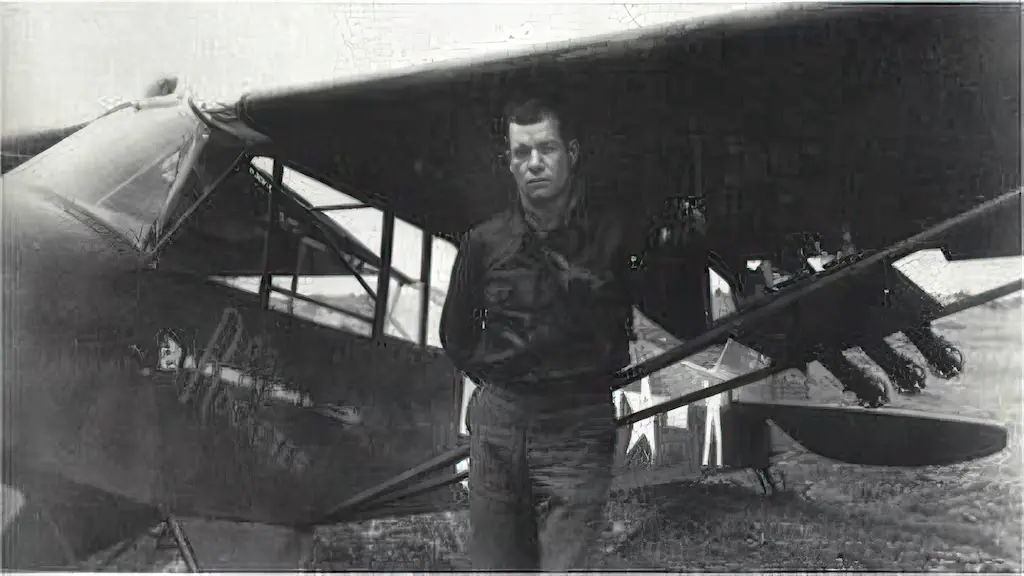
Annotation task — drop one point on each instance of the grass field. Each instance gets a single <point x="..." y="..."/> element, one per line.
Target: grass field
<point x="965" y="517"/>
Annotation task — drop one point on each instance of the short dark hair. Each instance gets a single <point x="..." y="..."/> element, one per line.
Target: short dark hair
<point x="536" y="110"/>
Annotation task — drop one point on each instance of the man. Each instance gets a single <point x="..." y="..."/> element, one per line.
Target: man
<point x="538" y="315"/>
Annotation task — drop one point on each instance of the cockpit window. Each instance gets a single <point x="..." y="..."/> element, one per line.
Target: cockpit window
<point x="137" y="204"/>
<point x="363" y="224"/>
<point x="121" y="168"/>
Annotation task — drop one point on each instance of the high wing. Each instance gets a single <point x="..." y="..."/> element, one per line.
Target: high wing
<point x="882" y="119"/>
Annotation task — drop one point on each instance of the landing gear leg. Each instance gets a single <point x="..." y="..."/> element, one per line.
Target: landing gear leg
<point x="184" y="546"/>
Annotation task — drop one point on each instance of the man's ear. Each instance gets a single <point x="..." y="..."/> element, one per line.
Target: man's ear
<point x="574" y="152"/>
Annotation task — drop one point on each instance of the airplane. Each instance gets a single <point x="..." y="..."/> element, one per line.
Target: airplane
<point x="185" y="370"/>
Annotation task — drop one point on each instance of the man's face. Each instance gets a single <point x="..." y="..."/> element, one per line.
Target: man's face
<point x="540" y="161"/>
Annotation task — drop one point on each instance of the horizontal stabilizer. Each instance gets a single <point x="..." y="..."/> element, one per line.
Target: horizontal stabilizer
<point x="883" y="437"/>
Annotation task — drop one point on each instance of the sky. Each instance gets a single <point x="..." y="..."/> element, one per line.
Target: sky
<point x="65" y="62"/>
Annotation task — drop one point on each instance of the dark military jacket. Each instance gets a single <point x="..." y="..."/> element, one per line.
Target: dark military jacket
<point x="526" y="309"/>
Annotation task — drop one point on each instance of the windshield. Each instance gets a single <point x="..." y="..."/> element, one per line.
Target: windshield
<point x="121" y="168"/>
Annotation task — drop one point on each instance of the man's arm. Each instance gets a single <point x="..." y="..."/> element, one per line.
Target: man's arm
<point x="460" y="317"/>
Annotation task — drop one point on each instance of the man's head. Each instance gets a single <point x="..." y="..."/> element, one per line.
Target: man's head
<point x="543" y="151"/>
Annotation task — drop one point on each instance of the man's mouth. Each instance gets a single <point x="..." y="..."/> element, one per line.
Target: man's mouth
<point x="537" y="181"/>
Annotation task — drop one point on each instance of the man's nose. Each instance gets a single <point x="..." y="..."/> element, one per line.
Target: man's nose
<point x="534" y="163"/>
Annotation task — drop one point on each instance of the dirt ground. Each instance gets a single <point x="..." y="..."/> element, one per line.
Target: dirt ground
<point x="832" y="516"/>
<point x="965" y="517"/>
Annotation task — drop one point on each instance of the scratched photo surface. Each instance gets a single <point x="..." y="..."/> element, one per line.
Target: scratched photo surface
<point x="145" y="396"/>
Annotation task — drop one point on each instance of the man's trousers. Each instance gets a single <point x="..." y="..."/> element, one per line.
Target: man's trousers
<point x="540" y="472"/>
